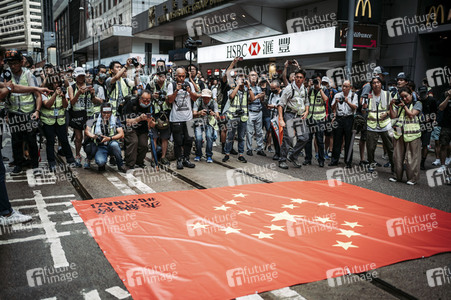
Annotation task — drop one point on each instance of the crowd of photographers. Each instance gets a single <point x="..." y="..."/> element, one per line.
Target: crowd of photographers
<point x="119" y="113"/>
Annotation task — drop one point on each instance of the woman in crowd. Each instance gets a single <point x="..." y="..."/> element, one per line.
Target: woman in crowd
<point x="407" y="136"/>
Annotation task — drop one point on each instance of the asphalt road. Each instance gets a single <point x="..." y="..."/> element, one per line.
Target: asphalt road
<point x="57" y="236"/>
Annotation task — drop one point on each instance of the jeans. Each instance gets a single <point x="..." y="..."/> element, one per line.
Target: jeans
<point x="103" y="152"/>
<point x="232" y="127"/>
<point x="209" y="133"/>
<point x="60" y="131"/>
<point x="301" y="140"/>
<point x="182" y="139"/>
<point x="316" y="128"/>
<point x="255" y="122"/>
<point x="5" y="205"/>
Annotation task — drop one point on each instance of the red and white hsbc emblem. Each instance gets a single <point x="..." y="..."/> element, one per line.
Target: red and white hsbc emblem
<point x="254" y="48"/>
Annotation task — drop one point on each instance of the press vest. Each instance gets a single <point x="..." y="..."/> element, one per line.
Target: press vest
<point x="111" y="130"/>
<point x="299" y="106"/>
<point x="114" y="95"/>
<point x="22" y="102"/>
<point x="410" y="127"/>
<point x="235" y="105"/>
<point x="318" y="110"/>
<point x="375" y="112"/>
<point x="84" y="102"/>
<point x="56" y="113"/>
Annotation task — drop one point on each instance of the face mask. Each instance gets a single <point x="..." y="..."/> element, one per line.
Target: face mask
<point x="144" y="105"/>
<point x="139" y="90"/>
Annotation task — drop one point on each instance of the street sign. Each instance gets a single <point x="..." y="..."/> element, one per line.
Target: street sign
<point x="365" y="36"/>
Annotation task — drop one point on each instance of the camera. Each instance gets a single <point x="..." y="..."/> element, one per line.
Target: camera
<point x="134" y="62"/>
<point x="161" y="96"/>
<point x="238" y="113"/>
<point x="63" y="90"/>
<point x="315" y="81"/>
<point x="99" y="139"/>
<point x="7" y="75"/>
<point x="397" y="101"/>
<point x="341" y="99"/>
<point x="185" y="85"/>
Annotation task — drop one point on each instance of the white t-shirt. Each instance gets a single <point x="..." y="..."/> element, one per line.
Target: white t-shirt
<point x="182" y="109"/>
<point x="343" y="109"/>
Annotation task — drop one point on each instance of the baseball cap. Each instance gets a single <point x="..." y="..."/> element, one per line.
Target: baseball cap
<point x="13" y="54"/>
<point x="79" y="71"/>
<point x="206" y="93"/>
<point x="379" y="70"/>
<point x="325" y="79"/>
<point x="422" y="90"/>
<point x="401" y="75"/>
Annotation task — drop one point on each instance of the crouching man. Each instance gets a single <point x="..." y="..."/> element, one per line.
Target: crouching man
<point x="106" y="131"/>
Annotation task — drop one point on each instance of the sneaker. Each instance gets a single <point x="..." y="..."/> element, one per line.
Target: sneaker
<point x="275" y="157"/>
<point x="447" y="161"/>
<point x="342" y="155"/>
<point x="316" y="156"/>
<point x="270" y="149"/>
<point x="385" y="156"/>
<point x="411" y="182"/>
<point x="326" y="156"/>
<point x="179" y="164"/>
<point x="17" y="171"/>
<point x="302" y="153"/>
<point x="249" y="152"/>
<point x="378" y="164"/>
<point x="387" y="165"/>
<point x="261" y="153"/>
<point x="15" y="217"/>
<point x="242" y="159"/>
<point x="209" y="160"/>
<point x="122" y="169"/>
<point x="87" y="164"/>
<point x="112" y="160"/>
<point x="226" y="158"/>
<point x="197" y="158"/>
<point x="441" y="170"/>
<point x="164" y="161"/>
<point x="436" y="162"/>
<point x="392" y="179"/>
<point x="78" y="162"/>
<point x="371" y="170"/>
<point x="37" y="172"/>
<point x="102" y="168"/>
<point x="307" y="162"/>
<point x="283" y="165"/>
<point x="233" y="152"/>
<point x="142" y="166"/>
<point x="188" y="164"/>
<point x="363" y="163"/>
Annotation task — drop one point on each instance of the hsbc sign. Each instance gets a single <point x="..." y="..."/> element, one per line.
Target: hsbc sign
<point x="298" y="43"/>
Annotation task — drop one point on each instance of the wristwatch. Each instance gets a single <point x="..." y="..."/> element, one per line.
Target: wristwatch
<point x="111" y="138"/>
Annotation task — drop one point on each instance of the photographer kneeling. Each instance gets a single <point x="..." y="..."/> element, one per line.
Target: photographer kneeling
<point x="139" y="119"/>
<point x="105" y="132"/>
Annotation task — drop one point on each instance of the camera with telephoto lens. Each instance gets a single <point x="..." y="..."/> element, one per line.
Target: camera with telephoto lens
<point x="134" y="62"/>
<point x="238" y="113"/>
<point x="161" y="97"/>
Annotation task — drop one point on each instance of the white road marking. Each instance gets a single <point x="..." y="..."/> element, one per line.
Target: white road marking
<point x="33" y="238"/>
<point x="56" y="249"/>
<point x="46" y="197"/>
<point x="250" y="297"/>
<point x="91" y="295"/>
<point x="286" y="293"/>
<point x="132" y="180"/>
<point x="48" y="204"/>
<point x="53" y="298"/>
<point x="126" y="190"/>
<point x="118" y="292"/>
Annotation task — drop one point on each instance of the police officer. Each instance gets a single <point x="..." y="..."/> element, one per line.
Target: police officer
<point x="23" y="111"/>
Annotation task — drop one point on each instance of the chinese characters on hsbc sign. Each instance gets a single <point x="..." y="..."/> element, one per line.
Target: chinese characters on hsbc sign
<point x="298" y="43"/>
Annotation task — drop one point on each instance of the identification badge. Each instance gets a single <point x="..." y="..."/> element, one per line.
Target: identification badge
<point x="55" y="112"/>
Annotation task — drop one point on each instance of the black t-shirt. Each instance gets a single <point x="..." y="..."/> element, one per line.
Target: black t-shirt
<point x="132" y="110"/>
<point x="429" y="107"/>
<point x="267" y="90"/>
<point x="446" y="117"/>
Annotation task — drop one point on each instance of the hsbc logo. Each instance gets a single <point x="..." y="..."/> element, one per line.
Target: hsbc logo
<point x="254" y="48"/>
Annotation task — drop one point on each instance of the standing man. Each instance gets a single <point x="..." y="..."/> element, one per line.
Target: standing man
<point x="194" y="79"/>
<point x="255" y="122"/>
<point x="293" y="104"/>
<point x="237" y="115"/>
<point x="343" y="106"/>
<point x="273" y="102"/>
<point x="22" y="109"/>
<point x="180" y="96"/>
<point x="117" y="86"/>
<point x="428" y="119"/>
<point x="316" y="122"/>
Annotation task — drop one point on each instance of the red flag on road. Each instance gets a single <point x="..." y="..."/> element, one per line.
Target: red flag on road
<point x="233" y="241"/>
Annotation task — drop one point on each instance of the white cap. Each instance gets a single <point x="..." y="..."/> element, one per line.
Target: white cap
<point x="325" y="79"/>
<point x="206" y="93"/>
<point x="79" y="71"/>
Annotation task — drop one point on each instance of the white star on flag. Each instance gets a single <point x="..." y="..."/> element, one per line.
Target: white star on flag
<point x="348" y="233"/>
<point x="284" y="216"/>
<point x="351" y="224"/>
<point x="275" y="227"/>
<point x="228" y="230"/>
<point x="323" y="220"/>
<point x="324" y="204"/>
<point x="245" y="212"/>
<point x="198" y="225"/>
<point x="345" y="245"/>
<point x="288" y="206"/>
<point x="223" y="207"/>
<point x="239" y="195"/>
<point x="263" y="235"/>
<point x="233" y="202"/>
<point x="353" y="207"/>
<point x="300" y="201"/>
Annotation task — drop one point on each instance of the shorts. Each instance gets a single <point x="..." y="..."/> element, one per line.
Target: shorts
<point x="329" y="128"/>
<point x="436" y="133"/>
<point x="164" y="134"/>
<point x="363" y="135"/>
<point x="425" y="138"/>
<point x="445" y="136"/>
